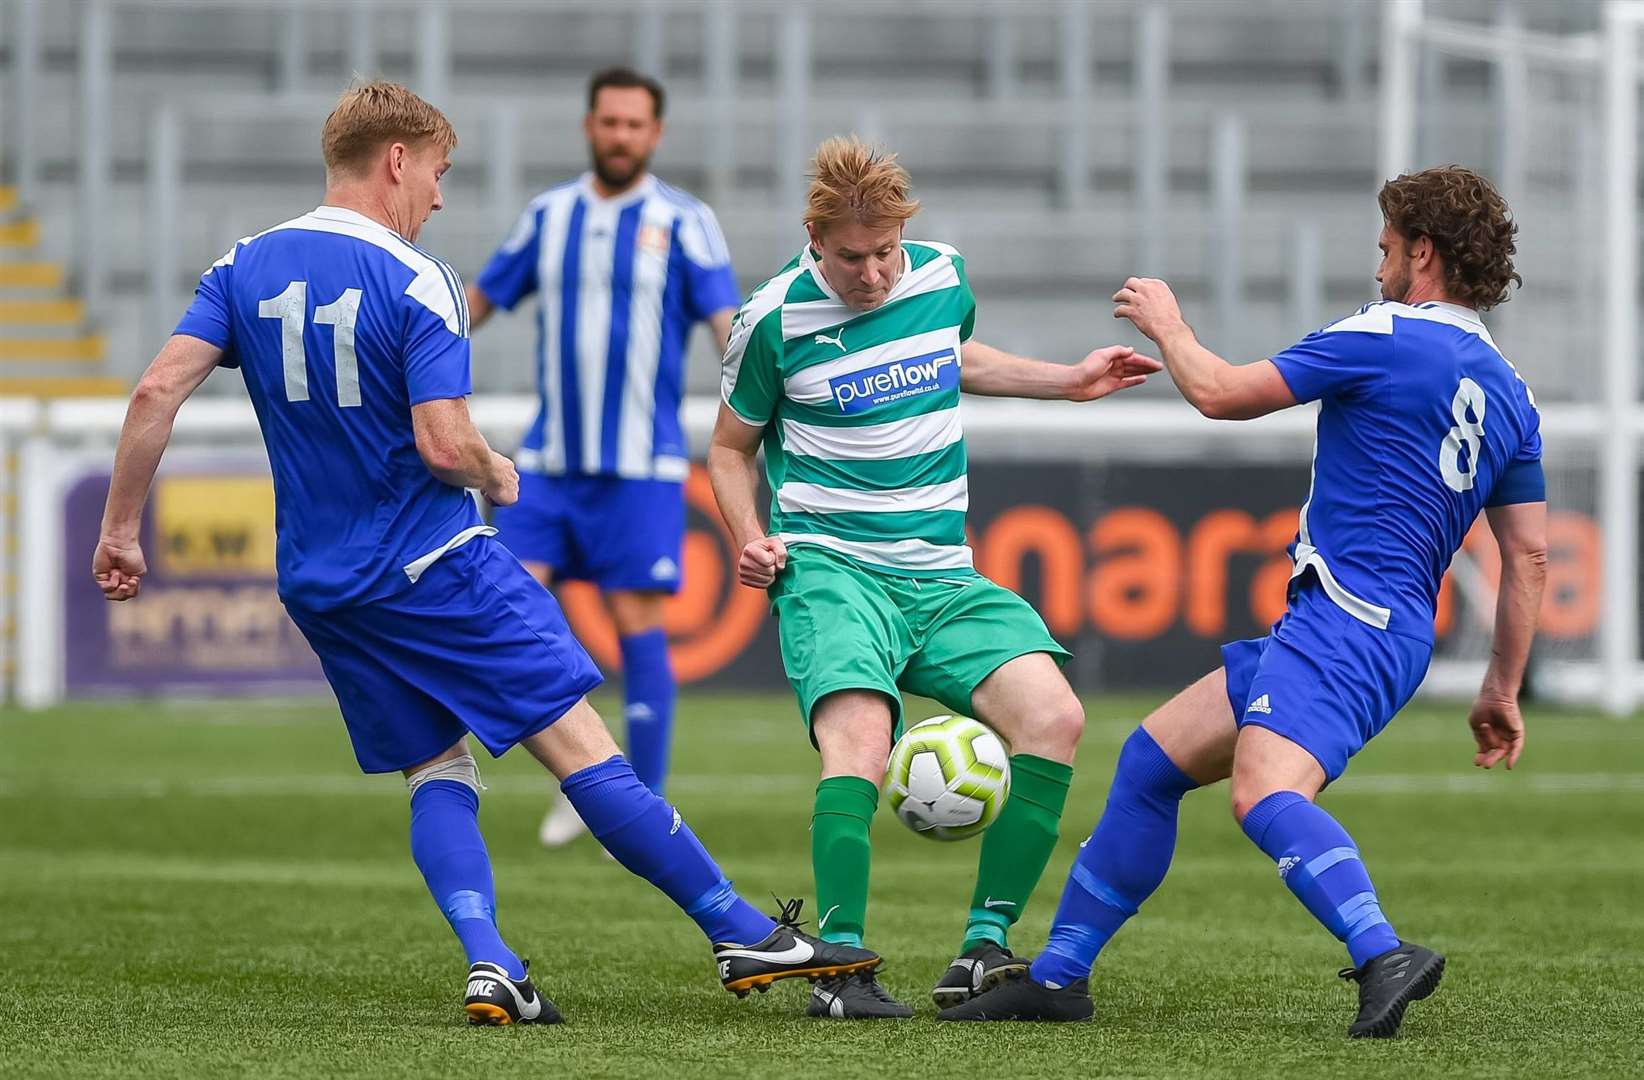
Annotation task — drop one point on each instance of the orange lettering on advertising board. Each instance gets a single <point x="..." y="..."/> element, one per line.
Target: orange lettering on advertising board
<point x="709" y="622"/>
<point x="1135" y="589"/>
<point x="1570" y="605"/>
<point x="1038" y="532"/>
<point x="1215" y="539"/>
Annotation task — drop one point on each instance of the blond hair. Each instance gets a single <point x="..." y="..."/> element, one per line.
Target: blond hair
<point x="372" y="114"/>
<point x="852" y="181"/>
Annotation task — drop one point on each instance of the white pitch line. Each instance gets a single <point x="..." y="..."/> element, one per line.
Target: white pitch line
<point x="1487" y="784"/>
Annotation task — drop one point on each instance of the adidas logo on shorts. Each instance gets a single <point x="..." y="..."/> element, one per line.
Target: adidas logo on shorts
<point x="1261" y="705"/>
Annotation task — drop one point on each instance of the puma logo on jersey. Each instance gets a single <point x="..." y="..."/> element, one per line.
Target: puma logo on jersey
<point x="838" y="339"/>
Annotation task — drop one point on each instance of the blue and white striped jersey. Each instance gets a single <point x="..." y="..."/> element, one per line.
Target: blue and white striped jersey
<point x="621" y="281"/>
<point x="339" y="326"/>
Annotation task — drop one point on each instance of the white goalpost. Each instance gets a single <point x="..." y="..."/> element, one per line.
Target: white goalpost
<point x="1600" y="73"/>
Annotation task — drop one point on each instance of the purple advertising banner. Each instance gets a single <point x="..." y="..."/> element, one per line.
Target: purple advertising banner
<point x="208" y="619"/>
<point x="1141" y="570"/>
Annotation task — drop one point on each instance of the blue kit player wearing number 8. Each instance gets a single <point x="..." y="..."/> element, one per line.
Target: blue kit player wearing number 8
<point x="354" y="347"/>
<point x="1422" y="425"/>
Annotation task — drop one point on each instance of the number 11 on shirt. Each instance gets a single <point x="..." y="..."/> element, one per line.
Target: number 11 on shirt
<point x="290" y="307"/>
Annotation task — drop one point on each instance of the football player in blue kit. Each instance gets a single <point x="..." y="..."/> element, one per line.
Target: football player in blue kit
<point x="353" y="343"/>
<point x="1422" y="424"/>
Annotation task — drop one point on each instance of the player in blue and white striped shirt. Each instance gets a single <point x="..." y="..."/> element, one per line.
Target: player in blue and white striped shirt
<point x="624" y="266"/>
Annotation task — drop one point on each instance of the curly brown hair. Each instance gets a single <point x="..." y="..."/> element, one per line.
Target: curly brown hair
<point x="1469" y="224"/>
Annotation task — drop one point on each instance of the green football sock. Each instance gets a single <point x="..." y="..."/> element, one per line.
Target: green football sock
<point x="839" y="855"/>
<point x="1016" y="848"/>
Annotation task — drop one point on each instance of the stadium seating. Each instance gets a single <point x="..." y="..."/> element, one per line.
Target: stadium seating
<point x="986" y="165"/>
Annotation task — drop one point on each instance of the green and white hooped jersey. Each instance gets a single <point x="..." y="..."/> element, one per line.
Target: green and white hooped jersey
<point x="863" y="444"/>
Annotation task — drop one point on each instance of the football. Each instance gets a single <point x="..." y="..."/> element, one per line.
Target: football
<point x="948" y="777"/>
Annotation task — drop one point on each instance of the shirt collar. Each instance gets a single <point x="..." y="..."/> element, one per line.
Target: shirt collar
<point x="351" y="217"/>
<point x="1457" y="310"/>
<point x="807" y="259"/>
<point x="645" y="188"/>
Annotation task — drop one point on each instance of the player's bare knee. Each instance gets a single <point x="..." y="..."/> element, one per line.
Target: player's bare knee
<point x="1056" y="730"/>
<point x="1250" y="786"/>
<point x="853" y="733"/>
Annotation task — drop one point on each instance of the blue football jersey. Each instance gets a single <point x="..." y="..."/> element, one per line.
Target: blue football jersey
<point x="620" y="282"/>
<point x="339" y="326"/>
<point x="1422" y="424"/>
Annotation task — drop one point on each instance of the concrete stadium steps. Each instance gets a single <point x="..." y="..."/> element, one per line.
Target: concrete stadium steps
<point x="62" y="386"/>
<point x="47" y="347"/>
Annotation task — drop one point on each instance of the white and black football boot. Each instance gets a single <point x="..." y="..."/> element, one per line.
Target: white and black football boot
<point x="855" y="997"/>
<point x="787" y="953"/>
<point x="494" y="998"/>
<point x="1388" y="984"/>
<point x="975" y="971"/>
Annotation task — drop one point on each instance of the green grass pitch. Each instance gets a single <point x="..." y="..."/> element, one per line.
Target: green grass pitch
<point x="212" y="889"/>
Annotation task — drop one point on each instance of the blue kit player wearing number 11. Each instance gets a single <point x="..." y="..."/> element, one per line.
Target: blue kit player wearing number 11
<point x="354" y="347"/>
<point x="1422" y="425"/>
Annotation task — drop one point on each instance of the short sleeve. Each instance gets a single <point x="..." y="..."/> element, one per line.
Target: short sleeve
<point x="511" y="275"/>
<point x="208" y="317"/>
<point x="1530" y="448"/>
<point x="1336" y="362"/>
<point x="1520" y="482"/>
<point x="437" y="362"/>
<point x="967" y="299"/>
<point x="1523" y="480"/>
<point x="750" y="379"/>
<point x="710" y="283"/>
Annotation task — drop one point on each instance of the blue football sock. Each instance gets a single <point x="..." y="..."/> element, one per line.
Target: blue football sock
<point x="647" y="836"/>
<point x="449" y="850"/>
<point x="1121" y="864"/>
<point x="1321" y="864"/>
<point x="648" y="685"/>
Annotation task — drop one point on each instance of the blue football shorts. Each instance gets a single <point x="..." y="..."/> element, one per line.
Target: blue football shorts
<point x="475" y="646"/>
<point x="1322" y="679"/>
<point x="620" y="534"/>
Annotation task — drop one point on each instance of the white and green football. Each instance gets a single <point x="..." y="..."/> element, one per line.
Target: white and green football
<point x="948" y="777"/>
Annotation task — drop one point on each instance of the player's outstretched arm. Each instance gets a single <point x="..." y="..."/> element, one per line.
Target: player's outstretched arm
<point x="479" y="306"/>
<point x="993" y="372"/>
<point x="733" y="468"/>
<point x="179" y="369"/>
<point x="1219" y="390"/>
<point x="1521" y="536"/>
<point x="455" y="452"/>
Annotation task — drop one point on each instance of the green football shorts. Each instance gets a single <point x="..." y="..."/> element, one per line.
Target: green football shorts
<point x="843" y="626"/>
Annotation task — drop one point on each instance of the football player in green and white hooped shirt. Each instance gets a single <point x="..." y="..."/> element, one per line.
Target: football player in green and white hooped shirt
<point x="848" y="366"/>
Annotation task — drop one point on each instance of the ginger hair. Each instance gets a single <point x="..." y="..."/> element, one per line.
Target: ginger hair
<point x="853" y="181"/>
<point x="374" y="114"/>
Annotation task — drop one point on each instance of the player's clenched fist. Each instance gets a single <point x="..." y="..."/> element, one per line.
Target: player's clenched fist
<point x="761" y="561"/>
<point x="1498" y="728"/>
<point x="119" y="569"/>
<point x="1150" y="305"/>
<point x="503" y="490"/>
